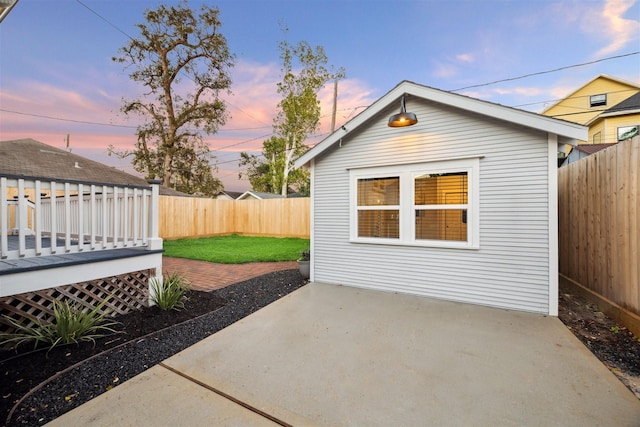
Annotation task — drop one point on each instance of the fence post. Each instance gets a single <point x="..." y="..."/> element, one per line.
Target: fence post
<point x="155" y="241"/>
<point x="21" y="218"/>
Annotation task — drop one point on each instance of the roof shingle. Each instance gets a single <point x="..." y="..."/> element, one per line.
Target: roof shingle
<point x="34" y="159"/>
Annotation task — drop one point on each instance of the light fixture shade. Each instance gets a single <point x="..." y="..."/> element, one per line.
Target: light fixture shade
<point x="403" y="118"/>
<point x="5" y="7"/>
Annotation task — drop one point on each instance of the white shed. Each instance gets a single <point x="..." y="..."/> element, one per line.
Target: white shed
<point x="460" y="206"/>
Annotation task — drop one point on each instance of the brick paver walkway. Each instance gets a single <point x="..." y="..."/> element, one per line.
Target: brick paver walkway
<point x="207" y="276"/>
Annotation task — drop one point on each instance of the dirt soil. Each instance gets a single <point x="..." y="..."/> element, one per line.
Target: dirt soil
<point x="37" y="387"/>
<point x="616" y="347"/>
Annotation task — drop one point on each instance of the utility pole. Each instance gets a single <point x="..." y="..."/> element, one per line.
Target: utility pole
<point x="335" y="104"/>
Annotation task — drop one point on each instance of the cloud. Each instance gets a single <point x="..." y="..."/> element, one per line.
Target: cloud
<point x="444" y="70"/>
<point x="561" y="91"/>
<point x="449" y="66"/>
<point x="621" y="31"/>
<point x="353" y="96"/>
<point x="252" y="106"/>
<point x="523" y="91"/>
<point x="465" y="57"/>
<point x="608" y="24"/>
<point x="255" y="96"/>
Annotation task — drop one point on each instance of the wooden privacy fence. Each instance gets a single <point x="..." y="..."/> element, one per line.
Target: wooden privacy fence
<point x="599" y="223"/>
<point x="195" y="217"/>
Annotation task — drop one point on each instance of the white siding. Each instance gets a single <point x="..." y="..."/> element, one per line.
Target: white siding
<point x="511" y="267"/>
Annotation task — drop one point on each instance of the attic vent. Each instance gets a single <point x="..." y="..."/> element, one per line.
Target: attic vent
<point x="598" y="100"/>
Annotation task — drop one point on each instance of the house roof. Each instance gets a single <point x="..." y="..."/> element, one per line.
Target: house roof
<point x="259" y="195"/>
<point x="600" y="76"/>
<point x="631" y="105"/>
<point x="591" y="148"/>
<point x="568" y="132"/>
<point x="232" y="194"/>
<point x="34" y="159"/>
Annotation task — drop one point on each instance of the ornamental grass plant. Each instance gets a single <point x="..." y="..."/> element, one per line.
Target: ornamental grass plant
<point x="169" y="293"/>
<point x="70" y="324"/>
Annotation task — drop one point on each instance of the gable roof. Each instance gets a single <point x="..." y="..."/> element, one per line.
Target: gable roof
<point x="34" y="159"/>
<point x="232" y="194"/>
<point x="598" y="77"/>
<point x="258" y="195"/>
<point x="591" y="148"/>
<point x="567" y="131"/>
<point x="628" y="105"/>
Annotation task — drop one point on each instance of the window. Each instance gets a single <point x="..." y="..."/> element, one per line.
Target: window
<point x="598" y="100"/>
<point x="627" y="132"/>
<point x="440" y="205"/>
<point x="427" y="204"/>
<point x="597" y="138"/>
<point x="378" y="207"/>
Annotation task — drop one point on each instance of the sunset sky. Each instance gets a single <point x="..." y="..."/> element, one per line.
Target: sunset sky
<point x="57" y="76"/>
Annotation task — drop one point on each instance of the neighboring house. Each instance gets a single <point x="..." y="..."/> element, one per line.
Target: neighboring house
<point x="73" y="227"/>
<point x="228" y="195"/>
<point x="582" y="151"/>
<point x="257" y="195"/>
<point x="618" y="123"/>
<point x="595" y="105"/>
<point x="28" y="157"/>
<point x="460" y="206"/>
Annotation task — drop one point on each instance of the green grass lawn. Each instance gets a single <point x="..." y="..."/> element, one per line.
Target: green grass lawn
<point x="236" y="249"/>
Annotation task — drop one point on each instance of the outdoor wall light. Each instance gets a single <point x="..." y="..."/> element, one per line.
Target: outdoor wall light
<point x="403" y="118"/>
<point x="5" y="7"/>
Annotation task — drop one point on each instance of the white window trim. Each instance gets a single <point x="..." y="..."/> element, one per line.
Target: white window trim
<point x="407" y="173"/>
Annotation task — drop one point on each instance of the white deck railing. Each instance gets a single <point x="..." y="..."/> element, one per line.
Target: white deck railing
<point x="54" y="217"/>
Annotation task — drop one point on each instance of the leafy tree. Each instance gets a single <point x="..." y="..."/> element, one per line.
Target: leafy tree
<point x="176" y="44"/>
<point x="304" y="73"/>
<point x="267" y="175"/>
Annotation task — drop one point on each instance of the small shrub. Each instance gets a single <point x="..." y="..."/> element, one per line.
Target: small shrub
<point x="170" y="293"/>
<point x="305" y="255"/>
<point x="70" y="324"/>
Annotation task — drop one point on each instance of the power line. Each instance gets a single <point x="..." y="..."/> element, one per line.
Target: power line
<point x="40" y="116"/>
<point x="67" y="120"/>
<point x="105" y="20"/>
<point x="260" y="154"/>
<point x="578" y="112"/>
<point x="254" y="118"/>
<point x="241" y="142"/>
<point x="318" y="135"/>
<point x="130" y="37"/>
<point x="239" y="129"/>
<point x="548" y="71"/>
<point x="572" y="97"/>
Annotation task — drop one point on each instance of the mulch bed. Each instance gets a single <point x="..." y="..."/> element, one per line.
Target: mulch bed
<point x="68" y="376"/>
<point x="615" y="346"/>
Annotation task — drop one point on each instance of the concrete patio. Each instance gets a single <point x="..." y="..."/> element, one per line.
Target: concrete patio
<point x="338" y="356"/>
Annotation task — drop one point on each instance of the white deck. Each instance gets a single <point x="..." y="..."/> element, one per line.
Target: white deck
<point x="85" y="231"/>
